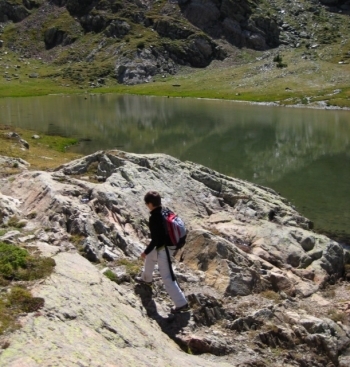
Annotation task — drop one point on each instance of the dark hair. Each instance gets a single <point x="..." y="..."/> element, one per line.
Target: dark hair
<point x="154" y="198"/>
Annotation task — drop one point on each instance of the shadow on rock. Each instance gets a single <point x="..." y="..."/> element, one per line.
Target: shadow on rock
<point x="170" y="325"/>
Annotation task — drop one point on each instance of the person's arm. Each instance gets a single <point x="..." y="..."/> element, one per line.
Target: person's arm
<point x="156" y="228"/>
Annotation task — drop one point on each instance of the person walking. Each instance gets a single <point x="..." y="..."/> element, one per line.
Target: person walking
<point x="159" y="251"/>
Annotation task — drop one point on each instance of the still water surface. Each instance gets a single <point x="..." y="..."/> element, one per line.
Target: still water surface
<point x="302" y="153"/>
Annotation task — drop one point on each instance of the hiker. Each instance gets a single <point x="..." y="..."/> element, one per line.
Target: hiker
<point x="159" y="250"/>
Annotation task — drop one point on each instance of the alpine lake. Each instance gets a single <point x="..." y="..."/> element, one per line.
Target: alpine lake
<point x="302" y="153"/>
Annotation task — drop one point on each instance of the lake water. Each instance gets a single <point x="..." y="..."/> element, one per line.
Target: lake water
<point x="302" y="153"/>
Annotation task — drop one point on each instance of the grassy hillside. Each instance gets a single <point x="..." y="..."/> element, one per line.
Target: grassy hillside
<point x="271" y="51"/>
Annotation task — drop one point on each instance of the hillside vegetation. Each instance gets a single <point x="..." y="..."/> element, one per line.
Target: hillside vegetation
<point x="286" y="52"/>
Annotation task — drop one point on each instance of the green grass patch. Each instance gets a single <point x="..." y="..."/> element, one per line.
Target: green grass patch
<point x="111" y="276"/>
<point x="45" y="153"/>
<point x="17" y="264"/>
<point x="133" y="267"/>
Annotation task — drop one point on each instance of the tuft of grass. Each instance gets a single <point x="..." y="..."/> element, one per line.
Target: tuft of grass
<point x="336" y="315"/>
<point x="15" y="222"/>
<point x="111" y="276"/>
<point x="133" y="267"/>
<point x="271" y="295"/>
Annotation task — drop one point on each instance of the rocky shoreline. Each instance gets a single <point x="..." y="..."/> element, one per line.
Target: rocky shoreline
<point x="265" y="289"/>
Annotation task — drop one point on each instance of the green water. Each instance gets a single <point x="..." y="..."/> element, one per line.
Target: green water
<point x="302" y="153"/>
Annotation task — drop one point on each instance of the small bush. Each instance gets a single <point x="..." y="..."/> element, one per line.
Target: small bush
<point x="279" y="61"/>
<point x="15" y="222"/>
<point x="12" y="258"/>
<point x="277" y="58"/>
<point x="19" y="300"/>
<point x="22" y="300"/>
<point x="17" y="264"/>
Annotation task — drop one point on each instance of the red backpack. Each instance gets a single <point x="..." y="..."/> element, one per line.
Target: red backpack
<point x="175" y="228"/>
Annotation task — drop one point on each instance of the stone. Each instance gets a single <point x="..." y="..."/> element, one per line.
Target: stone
<point x="280" y="282"/>
<point x="35" y="137"/>
<point x="10" y="237"/>
<point x="308" y="243"/>
<point x="24" y="143"/>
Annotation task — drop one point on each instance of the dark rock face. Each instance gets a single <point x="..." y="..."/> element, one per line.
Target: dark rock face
<point x="117" y="28"/>
<point x="54" y="37"/>
<point x="9" y="11"/>
<point x="234" y="21"/>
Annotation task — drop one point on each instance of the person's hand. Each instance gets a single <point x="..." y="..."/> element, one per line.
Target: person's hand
<point x="143" y="256"/>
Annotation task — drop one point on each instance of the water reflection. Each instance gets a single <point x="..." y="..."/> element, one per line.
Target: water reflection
<point x="302" y="153"/>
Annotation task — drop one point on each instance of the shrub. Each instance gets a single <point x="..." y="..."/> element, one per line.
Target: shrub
<point x="11" y="259"/>
<point x="21" y="299"/>
<point x="17" y="264"/>
<point x="279" y="61"/>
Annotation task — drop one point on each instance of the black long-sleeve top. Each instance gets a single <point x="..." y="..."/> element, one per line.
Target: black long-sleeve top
<point x="159" y="237"/>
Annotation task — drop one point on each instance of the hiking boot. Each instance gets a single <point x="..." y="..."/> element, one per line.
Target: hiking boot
<point x="184" y="308"/>
<point x="141" y="281"/>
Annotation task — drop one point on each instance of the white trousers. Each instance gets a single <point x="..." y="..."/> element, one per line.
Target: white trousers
<point x="171" y="286"/>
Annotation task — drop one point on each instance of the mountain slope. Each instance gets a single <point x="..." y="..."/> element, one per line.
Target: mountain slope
<point x="97" y="42"/>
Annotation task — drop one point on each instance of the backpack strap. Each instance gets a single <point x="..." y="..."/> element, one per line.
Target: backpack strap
<point x="173" y="277"/>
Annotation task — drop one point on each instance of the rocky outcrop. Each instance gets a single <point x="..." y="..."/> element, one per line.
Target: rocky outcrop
<point x="143" y="65"/>
<point x="54" y="37"/>
<point x="252" y="269"/>
<point x="15" y="12"/>
<point x="233" y="20"/>
<point x="236" y="211"/>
